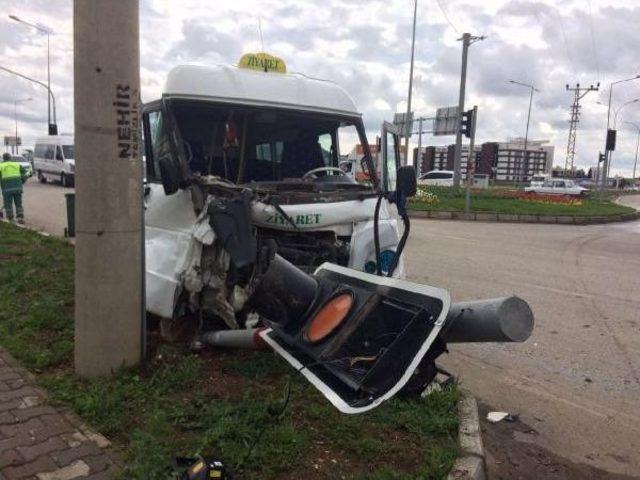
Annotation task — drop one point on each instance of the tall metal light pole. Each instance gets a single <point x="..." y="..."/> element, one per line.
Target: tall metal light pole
<point x="467" y="40"/>
<point x="15" y="116"/>
<point x="37" y="82"/>
<point x="635" y="162"/>
<point x="53" y="128"/>
<point x="408" y="128"/>
<point x="526" y="132"/>
<point x="615" y="122"/>
<point x="605" y="167"/>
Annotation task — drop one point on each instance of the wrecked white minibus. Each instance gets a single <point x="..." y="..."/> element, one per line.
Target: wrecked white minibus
<point x="281" y="138"/>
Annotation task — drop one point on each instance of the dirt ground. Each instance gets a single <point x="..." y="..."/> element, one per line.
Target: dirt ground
<point x="512" y="455"/>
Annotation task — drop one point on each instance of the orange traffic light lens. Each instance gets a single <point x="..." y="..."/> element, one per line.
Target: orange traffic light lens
<point x="329" y="317"/>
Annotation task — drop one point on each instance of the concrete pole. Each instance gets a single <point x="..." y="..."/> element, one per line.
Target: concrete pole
<point x="466" y="41"/>
<point x="109" y="214"/>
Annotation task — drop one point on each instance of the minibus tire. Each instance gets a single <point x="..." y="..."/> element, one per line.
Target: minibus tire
<point x="41" y="177"/>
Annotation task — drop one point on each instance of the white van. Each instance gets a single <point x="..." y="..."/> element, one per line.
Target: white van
<point x="53" y="159"/>
<point x="440" y="178"/>
<point x="280" y="138"/>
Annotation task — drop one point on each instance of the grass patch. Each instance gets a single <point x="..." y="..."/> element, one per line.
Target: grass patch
<point x="489" y="201"/>
<point x="226" y="404"/>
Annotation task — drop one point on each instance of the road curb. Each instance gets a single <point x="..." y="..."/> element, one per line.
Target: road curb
<point x="515" y="218"/>
<point x="470" y="465"/>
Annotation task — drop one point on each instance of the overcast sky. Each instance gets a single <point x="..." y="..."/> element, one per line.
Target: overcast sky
<point x="365" y="47"/>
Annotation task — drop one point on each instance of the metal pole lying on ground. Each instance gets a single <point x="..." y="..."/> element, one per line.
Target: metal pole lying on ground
<point x="109" y="233"/>
<point x="508" y="319"/>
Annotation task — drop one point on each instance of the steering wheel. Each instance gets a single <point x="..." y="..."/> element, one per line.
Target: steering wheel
<point x="312" y="173"/>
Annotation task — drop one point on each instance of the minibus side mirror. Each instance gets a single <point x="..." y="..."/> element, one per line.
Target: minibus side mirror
<point x="406" y="181"/>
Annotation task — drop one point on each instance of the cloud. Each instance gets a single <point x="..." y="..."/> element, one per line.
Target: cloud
<point x="364" y="46"/>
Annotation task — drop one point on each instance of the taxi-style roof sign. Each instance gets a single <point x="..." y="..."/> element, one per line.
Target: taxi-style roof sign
<point x="263" y="62"/>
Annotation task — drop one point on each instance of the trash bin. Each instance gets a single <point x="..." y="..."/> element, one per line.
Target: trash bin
<point x="70" y="231"/>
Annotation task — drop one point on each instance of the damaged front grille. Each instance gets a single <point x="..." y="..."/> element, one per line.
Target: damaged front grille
<point x="308" y="250"/>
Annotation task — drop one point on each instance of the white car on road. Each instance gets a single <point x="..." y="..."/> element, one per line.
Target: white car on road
<point x="559" y="186"/>
<point x="440" y="178"/>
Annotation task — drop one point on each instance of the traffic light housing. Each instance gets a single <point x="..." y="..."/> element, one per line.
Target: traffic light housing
<point x="601" y="157"/>
<point x="358" y="338"/>
<point x="466" y="123"/>
<point x="611" y="140"/>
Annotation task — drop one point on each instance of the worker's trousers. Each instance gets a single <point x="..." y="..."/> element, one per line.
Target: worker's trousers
<point x="10" y="199"/>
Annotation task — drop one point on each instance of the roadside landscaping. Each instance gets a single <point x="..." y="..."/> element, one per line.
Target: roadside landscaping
<point x="514" y="202"/>
<point x="229" y="404"/>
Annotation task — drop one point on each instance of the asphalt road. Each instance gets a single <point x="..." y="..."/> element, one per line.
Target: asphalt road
<point x="44" y="206"/>
<point x="577" y="380"/>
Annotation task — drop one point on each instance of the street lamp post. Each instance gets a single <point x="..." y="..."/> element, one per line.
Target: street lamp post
<point x="51" y="96"/>
<point x="635" y="162"/>
<point x="615" y="122"/>
<point x="526" y="133"/>
<point x="15" y="116"/>
<point x="605" y="167"/>
<point x="53" y="128"/>
<point x="407" y="125"/>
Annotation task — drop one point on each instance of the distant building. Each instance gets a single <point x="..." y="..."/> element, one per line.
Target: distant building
<point x="500" y="160"/>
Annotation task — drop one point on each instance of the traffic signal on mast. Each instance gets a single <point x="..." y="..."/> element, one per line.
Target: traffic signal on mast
<point x="601" y="157"/>
<point x="466" y="123"/>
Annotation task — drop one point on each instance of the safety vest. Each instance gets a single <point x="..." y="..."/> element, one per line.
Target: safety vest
<point x="10" y="177"/>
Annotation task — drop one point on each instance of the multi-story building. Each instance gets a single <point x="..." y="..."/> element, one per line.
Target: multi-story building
<point x="500" y="160"/>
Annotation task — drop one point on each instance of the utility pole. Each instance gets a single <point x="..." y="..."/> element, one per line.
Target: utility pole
<point x="471" y="160"/>
<point x="408" y="128"/>
<point x="418" y="157"/>
<point x="635" y="162"/>
<point x="526" y="133"/>
<point x="578" y="94"/>
<point x="109" y="250"/>
<point x="605" y="166"/>
<point x="467" y="40"/>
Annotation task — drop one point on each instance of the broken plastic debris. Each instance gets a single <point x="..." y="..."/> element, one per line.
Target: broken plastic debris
<point x="495" y="417"/>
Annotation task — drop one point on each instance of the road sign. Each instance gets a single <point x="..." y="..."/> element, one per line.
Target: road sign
<point x="446" y="121"/>
<point x="12" y="141"/>
<point x="406" y="128"/>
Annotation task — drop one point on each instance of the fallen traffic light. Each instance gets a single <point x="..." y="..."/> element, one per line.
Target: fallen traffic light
<point x="356" y="337"/>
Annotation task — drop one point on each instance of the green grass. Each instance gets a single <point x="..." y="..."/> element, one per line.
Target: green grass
<point x="450" y="199"/>
<point x="223" y="403"/>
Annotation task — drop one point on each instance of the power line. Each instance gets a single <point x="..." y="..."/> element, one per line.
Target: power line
<point x="564" y="37"/>
<point x="446" y="17"/>
<point x="593" y="41"/>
